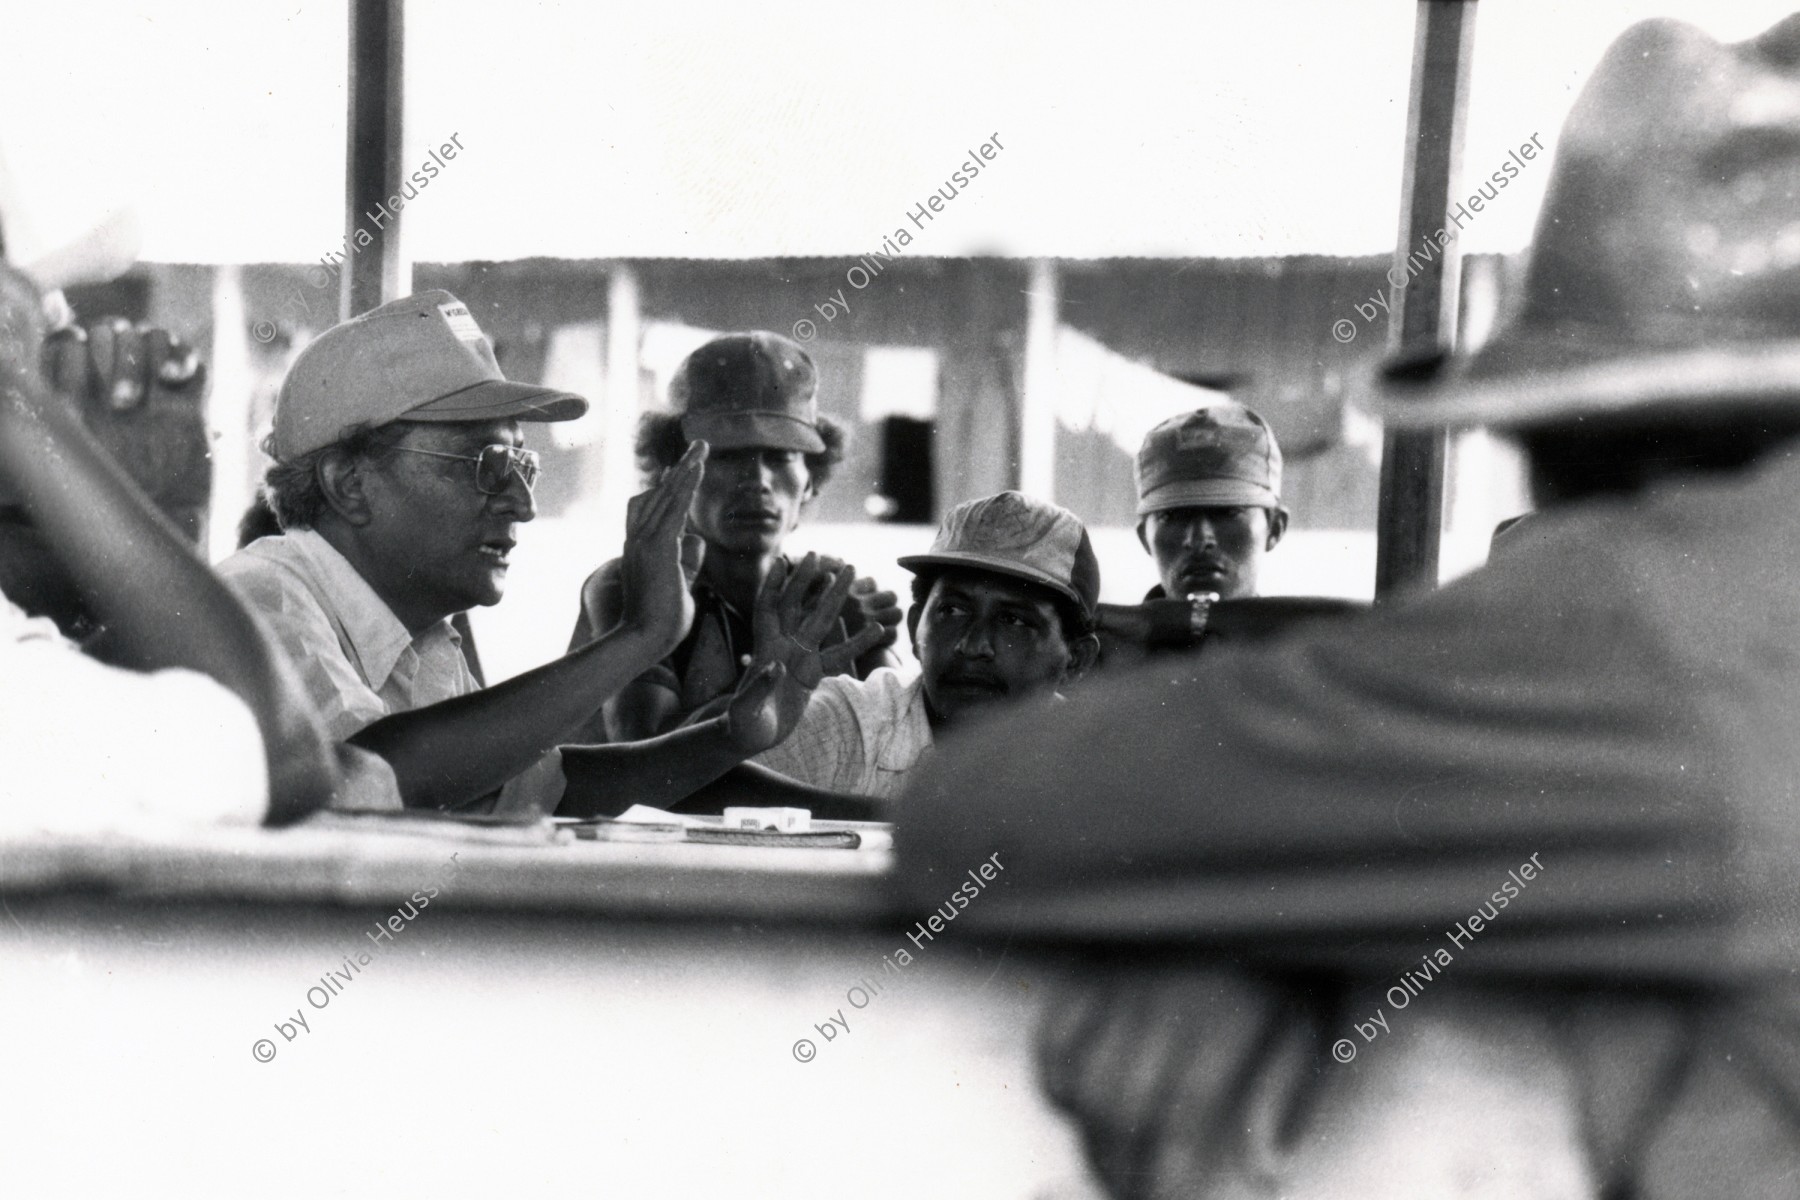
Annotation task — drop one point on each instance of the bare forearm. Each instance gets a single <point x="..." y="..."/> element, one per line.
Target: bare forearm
<point x="641" y="710"/>
<point x="604" y="781"/>
<point x="162" y="606"/>
<point x="452" y="752"/>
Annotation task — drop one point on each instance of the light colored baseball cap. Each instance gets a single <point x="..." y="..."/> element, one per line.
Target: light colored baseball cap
<point x="1223" y="454"/>
<point x="1012" y="534"/>
<point x="743" y="390"/>
<point x="421" y="358"/>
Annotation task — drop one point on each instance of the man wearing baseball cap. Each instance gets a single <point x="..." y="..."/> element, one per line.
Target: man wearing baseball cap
<point x="400" y="480"/>
<point x="752" y="397"/>
<point x="1524" y="845"/>
<point x="1003" y="611"/>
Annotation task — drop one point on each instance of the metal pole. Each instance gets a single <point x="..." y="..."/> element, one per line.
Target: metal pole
<point x="374" y="270"/>
<point x="1037" y="393"/>
<point x="1423" y="292"/>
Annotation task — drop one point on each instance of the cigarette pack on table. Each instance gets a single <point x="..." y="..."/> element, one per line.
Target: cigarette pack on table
<point x="782" y="820"/>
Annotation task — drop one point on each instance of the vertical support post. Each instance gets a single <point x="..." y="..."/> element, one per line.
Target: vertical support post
<point x="375" y="271"/>
<point x="1423" y="294"/>
<point x="228" y="412"/>
<point x="618" y="433"/>
<point x="975" y="439"/>
<point x="1037" y="396"/>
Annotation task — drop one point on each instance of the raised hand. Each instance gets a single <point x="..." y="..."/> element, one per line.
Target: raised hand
<point x="118" y="364"/>
<point x="868" y="605"/>
<point x="794" y="612"/>
<point x="758" y="716"/>
<point x="660" y="558"/>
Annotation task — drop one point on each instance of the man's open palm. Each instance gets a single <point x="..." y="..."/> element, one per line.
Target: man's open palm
<point x="794" y="611"/>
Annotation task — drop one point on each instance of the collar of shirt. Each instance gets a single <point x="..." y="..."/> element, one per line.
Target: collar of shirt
<point x="377" y="637"/>
<point x="705" y="594"/>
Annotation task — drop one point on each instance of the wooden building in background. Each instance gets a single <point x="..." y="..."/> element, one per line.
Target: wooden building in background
<point x="1268" y="331"/>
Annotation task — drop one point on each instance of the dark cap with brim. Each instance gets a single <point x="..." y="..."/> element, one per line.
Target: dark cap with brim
<point x="746" y="390"/>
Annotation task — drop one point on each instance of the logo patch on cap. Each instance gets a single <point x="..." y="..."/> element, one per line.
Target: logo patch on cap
<point x="1008" y="522"/>
<point x="457" y="317"/>
<point x="1200" y="431"/>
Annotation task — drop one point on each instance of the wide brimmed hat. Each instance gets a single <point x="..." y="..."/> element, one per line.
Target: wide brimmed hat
<point x="1012" y="534"/>
<point x="1665" y="271"/>
<point x="745" y="390"/>
<point x="419" y="358"/>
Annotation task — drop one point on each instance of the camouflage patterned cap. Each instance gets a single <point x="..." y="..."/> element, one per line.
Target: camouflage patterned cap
<point x="1224" y="454"/>
<point x="1012" y="534"/>
<point x="744" y="390"/>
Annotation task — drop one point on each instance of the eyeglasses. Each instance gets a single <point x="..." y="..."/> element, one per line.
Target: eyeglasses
<point x="494" y="466"/>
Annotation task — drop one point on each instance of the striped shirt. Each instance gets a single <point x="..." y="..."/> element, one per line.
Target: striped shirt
<point x="860" y="737"/>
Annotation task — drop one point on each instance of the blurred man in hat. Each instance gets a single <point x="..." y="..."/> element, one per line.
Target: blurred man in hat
<point x="752" y="398"/>
<point x="1357" y="810"/>
<point x="1003" y="611"/>
<point x="400" y="480"/>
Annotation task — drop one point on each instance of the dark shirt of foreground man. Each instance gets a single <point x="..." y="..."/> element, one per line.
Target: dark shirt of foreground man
<point x="1277" y="847"/>
<point x="753" y="398"/>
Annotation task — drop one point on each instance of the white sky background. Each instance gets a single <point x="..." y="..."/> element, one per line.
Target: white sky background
<point x="717" y="130"/>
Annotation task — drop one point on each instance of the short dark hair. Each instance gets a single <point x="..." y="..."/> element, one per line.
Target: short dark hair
<point x="258" y="521"/>
<point x="660" y="445"/>
<point x="292" y="488"/>
<point x="1622" y="453"/>
<point x="1076" y="623"/>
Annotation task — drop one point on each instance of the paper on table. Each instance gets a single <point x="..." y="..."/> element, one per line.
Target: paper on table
<point x="876" y="835"/>
<point x="657" y="816"/>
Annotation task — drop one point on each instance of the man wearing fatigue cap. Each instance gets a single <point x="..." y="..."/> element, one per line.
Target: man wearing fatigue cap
<point x="1209" y="509"/>
<point x="1548" y="811"/>
<point x="1003" y="611"/>
<point x="400" y="480"/>
<point x="1209" y="501"/>
<point x="751" y="397"/>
